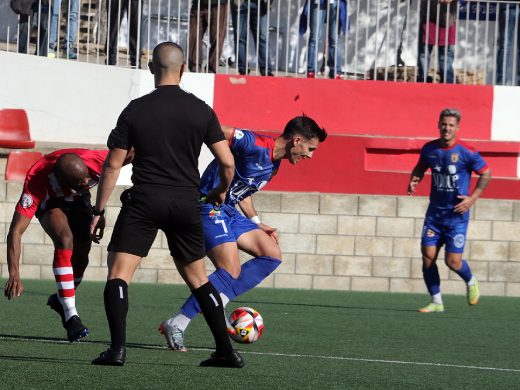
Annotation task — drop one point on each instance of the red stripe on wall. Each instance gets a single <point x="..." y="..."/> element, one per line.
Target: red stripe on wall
<point x="351" y="107"/>
<point x="351" y="165"/>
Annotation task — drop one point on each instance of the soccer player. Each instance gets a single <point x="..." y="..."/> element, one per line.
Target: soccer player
<point x="257" y="159"/>
<point x="56" y="190"/>
<point x="451" y="163"/>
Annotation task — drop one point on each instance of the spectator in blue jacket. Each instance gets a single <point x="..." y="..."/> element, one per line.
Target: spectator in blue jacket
<point x="315" y="14"/>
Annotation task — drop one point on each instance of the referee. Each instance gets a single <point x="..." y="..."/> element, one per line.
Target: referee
<point x="166" y="129"/>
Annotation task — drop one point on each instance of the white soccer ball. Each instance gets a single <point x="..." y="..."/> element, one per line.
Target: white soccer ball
<point x="248" y="324"/>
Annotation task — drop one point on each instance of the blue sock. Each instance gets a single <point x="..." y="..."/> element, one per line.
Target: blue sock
<point x="432" y="279"/>
<point x="222" y="281"/>
<point x="465" y="272"/>
<point x="252" y="273"/>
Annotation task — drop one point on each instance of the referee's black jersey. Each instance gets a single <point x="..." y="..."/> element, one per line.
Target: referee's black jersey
<point x="166" y="128"/>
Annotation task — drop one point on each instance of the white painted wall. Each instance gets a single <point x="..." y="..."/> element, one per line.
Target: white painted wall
<point x="506" y="114"/>
<point x="79" y="103"/>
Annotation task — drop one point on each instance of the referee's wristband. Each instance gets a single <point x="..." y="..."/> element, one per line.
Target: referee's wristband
<point x="97" y="213"/>
<point x="255" y="219"/>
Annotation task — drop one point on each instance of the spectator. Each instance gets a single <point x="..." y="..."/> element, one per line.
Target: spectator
<point x="206" y="14"/>
<point x="68" y="45"/>
<point x="115" y="12"/>
<point x="254" y="15"/>
<point x="437" y="27"/>
<point x="508" y="22"/>
<point x="334" y="12"/>
<point x="32" y="12"/>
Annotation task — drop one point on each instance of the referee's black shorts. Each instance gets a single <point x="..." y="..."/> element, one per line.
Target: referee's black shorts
<point x="147" y="208"/>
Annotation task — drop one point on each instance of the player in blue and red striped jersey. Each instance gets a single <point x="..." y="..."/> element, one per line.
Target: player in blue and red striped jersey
<point x="257" y="159"/>
<point x="451" y="163"/>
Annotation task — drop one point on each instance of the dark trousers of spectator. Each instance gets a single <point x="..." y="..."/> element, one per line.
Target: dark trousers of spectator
<point x="255" y="19"/>
<point x="115" y="12"/>
<point x="214" y="17"/>
<point x="446" y="56"/>
<point x="508" y="23"/>
<point x="39" y="16"/>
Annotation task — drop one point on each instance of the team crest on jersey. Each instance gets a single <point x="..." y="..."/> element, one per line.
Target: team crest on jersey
<point x="26" y="201"/>
<point x="458" y="240"/>
<point x="239" y="134"/>
<point x="214" y="213"/>
<point x="454" y="157"/>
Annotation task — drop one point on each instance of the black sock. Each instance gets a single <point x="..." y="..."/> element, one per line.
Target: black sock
<point x="116" y="308"/>
<point x="213" y="310"/>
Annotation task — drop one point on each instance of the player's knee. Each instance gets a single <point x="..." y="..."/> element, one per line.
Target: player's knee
<point x="274" y="251"/>
<point x="428" y="261"/>
<point x="453" y="264"/>
<point x="64" y="240"/>
<point x="234" y="270"/>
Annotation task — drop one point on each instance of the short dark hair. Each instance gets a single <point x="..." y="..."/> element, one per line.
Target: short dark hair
<point x="304" y="126"/>
<point x="450" y="112"/>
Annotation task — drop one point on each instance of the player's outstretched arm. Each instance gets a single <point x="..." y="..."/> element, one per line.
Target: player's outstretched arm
<point x="13" y="286"/>
<point x="468" y="201"/>
<point x="416" y="177"/>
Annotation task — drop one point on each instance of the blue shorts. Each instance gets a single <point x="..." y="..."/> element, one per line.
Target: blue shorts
<point x="454" y="237"/>
<point x="223" y="224"/>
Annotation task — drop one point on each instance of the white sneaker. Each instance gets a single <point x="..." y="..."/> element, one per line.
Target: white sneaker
<point x="174" y="336"/>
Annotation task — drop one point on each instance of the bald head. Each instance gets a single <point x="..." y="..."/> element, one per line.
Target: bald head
<point x="71" y="171"/>
<point x="167" y="61"/>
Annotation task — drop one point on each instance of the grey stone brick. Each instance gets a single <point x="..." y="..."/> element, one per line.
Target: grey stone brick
<point x="292" y="281"/>
<point x="352" y="266"/>
<point x="391" y="267"/>
<point x="339" y="204"/>
<point x="394" y="227"/>
<point x="412" y="206"/>
<point x="506" y="231"/>
<point x="297" y="243"/>
<point x="341" y="283"/>
<point x="504" y="272"/>
<point x="335" y="245"/>
<point x="493" y="210"/>
<point x="357" y="226"/>
<point x="318" y="224"/>
<point x="14" y="191"/>
<point x="299" y="202"/>
<point x="314" y="264"/>
<point x="490" y="250"/>
<point x="369" y="284"/>
<point x="379" y="206"/>
<point x="284" y="223"/>
<point x="268" y="201"/>
<point x="373" y="246"/>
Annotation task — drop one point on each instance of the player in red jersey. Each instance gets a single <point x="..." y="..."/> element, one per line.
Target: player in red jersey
<point x="56" y="190"/>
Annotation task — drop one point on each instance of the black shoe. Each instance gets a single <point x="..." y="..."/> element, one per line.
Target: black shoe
<point x="111" y="357"/>
<point x="54" y="303"/>
<point x="75" y="329"/>
<point x="232" y="361"/>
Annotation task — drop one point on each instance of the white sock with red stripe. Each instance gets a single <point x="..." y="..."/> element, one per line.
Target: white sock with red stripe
<point x="62" y="269"/>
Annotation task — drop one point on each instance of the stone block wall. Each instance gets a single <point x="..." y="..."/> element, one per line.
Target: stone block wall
<point x="328" y="241"/>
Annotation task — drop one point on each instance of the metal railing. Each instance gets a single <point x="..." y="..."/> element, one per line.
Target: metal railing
<point x="469" y="42"/>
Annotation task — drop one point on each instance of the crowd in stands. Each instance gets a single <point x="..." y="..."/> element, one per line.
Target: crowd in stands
<point x="325" y="20"/>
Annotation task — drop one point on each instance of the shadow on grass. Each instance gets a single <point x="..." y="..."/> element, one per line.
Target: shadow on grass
<point x="105" y="343"/>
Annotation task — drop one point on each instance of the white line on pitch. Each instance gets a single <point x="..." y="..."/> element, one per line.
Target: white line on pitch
<point x="151" y="346"/>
